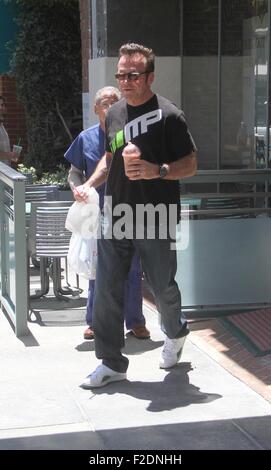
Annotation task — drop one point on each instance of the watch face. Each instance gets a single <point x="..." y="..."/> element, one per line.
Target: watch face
<point x="163" y="171"/>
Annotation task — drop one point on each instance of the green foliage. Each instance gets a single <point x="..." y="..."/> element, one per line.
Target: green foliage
<point x="28" y="171"/>
<point x="58" y="177"/>
<point x="47" y="67"/>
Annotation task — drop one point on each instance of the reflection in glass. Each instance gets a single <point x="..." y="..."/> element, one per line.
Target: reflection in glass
<point x="199" y="76"/>
<point x="99" y="28"/>
<point x="244" y="67"/>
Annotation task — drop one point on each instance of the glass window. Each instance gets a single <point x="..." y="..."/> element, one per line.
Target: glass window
<point x="99" y="28"/>
<point x="149" y="22"/>
<point x="117" y="22"/>
<point x="244" y="67"/>
<point x="200" y="76"/>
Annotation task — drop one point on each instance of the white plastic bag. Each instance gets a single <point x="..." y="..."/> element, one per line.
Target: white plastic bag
<point x="82" y="256"/>
<point x="83" y="218"/>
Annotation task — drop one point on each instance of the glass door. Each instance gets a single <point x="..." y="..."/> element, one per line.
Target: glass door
<point x="244" y="83"/>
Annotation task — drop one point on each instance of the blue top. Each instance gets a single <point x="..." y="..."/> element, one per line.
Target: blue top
<point x="86" y="151"/>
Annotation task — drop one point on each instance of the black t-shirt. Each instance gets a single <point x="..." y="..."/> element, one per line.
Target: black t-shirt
<point x="159" y="129"/>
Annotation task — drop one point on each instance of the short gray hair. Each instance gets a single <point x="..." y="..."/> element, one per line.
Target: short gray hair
<point x="107" y="89"/>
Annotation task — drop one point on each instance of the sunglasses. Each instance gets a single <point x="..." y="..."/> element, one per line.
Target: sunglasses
<point x="130" y="76"/>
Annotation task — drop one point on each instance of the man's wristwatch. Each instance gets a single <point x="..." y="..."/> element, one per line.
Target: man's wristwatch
<point x="163" y="170"/>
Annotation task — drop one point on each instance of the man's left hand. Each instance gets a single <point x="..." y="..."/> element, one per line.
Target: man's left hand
<point x="142" y="170"/>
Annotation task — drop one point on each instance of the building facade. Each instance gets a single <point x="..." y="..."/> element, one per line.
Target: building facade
<point x="212" y="59"/>
<point x="15" y="118"/>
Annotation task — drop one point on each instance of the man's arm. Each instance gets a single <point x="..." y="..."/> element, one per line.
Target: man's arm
<point x="75" y="177"/>
<point x="12" y="156"/>
<point x="98" y="177"/>
<point x="182" y="168"/>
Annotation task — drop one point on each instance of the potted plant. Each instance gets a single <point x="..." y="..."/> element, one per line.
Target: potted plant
<point x="59" y="177"/>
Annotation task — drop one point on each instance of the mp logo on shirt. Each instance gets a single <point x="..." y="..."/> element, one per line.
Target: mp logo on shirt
<point x="140" y="125"/>
<point x="134" y="128"/>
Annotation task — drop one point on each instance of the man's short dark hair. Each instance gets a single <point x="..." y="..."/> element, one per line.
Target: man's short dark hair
<point x="132" y="48"/>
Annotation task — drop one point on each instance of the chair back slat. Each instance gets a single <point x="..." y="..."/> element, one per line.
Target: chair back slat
<point x="47" y="233"/>
<point x="41" y="192"/>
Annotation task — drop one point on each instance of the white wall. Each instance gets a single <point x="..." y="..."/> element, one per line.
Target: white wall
<point x="101" y="73"/>
<point x="86" y="109"/>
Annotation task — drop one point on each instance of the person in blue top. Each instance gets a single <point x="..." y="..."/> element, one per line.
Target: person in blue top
<point x="84" y="154"/>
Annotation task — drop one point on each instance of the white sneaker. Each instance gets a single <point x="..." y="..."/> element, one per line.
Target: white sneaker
<point x="171" y="352"/>
<point x="102" y="376"/>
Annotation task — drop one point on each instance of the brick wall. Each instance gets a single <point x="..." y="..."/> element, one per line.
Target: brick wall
<point x="85" y="41"/>
<point x="15" y="117"/>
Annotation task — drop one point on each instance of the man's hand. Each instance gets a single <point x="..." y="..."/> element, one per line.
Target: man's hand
<point x="80" y="193"/>
<point x="14" y="157"/>
<point x="139" y="169"/>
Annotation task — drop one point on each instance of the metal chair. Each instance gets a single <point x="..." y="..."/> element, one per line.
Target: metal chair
<point x="38" y="192"/>
<point x="41" y="192"/>
<point x="48" y="239"/>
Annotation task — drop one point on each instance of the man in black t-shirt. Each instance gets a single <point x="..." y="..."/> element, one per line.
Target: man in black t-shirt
<point x="148" y="184"/>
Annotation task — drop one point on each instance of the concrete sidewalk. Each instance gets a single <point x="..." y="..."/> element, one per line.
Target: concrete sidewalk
<point x="196" y="405"/>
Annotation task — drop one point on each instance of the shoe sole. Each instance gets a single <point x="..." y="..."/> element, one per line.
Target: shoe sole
<point x="162" y="366"/>
<point x="139" y="337"/>
<point x="105" y="382"/>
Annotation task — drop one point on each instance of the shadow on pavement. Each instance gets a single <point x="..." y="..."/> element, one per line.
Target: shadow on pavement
<point x="229" y="434"/>
<point x="132" y="345"/>
<point x="174" y="392"/>
<point x="53" y="312"/>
